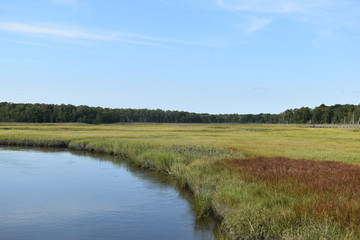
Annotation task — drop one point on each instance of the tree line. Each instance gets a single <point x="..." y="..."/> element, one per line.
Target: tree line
<point x="52" y="113"/>
<point x="335" y="114"/>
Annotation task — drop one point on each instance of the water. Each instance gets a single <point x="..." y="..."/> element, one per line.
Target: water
<point x="62" y="195"/>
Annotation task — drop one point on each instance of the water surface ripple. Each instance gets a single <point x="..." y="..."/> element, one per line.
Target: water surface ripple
<point x="63" y="195"/>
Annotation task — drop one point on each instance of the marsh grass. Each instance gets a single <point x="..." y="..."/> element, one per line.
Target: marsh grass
<point x="253" y="197"/>
<point x="327" y="192"/>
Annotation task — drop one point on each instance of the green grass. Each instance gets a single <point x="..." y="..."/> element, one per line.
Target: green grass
<point x="249" y="205"/>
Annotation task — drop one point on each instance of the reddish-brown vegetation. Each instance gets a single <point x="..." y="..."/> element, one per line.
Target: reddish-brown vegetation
<point x="333" y="188"/>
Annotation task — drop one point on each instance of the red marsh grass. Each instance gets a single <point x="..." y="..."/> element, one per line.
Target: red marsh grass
<point x="332" y="188"/>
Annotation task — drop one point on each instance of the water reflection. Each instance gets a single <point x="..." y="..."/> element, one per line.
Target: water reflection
<point x="47" y="194"/>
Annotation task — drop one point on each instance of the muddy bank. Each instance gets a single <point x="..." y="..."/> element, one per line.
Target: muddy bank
<point x="59" y="144"/>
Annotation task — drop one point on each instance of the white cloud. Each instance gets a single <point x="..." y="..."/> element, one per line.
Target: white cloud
<point x="78" y="34"/>
<point x="24" y="42"/>
<point x="324" y="34"/>
<point x="51" y="31"/>
<point x="257" y="25"/>
<point x="326" y="16"/>
<point x="274" y="6"/>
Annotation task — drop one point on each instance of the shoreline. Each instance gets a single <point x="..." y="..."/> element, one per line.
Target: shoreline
<point x="207" y="160"/>
<point x="68" y="145"/>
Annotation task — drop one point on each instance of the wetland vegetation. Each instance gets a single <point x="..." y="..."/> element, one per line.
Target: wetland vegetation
<point x="258" y="181"/>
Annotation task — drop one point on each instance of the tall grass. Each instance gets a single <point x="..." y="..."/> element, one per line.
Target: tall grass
<point x="324" y="191"/>
<point x="235" y="171"/>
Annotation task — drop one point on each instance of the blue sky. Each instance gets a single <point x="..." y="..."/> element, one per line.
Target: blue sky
<point x="214" y="56"/>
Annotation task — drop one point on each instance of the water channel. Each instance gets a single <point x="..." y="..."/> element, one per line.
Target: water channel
<point x="65" y="195"/>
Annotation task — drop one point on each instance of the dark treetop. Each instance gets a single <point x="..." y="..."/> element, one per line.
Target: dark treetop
<point x="51" y="113"/>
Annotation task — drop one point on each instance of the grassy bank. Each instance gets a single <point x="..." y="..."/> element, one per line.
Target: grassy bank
<point x="261" y="181"/>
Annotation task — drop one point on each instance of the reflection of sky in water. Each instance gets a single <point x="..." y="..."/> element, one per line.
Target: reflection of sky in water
<point x="76" y="197"/>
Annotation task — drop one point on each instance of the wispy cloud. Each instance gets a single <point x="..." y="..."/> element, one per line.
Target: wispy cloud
<point x="321" y="36"/>
<point x="11" y="60"/>
<point x="168" y="2"/>
<point x="257" y="25"/>
<point x="259" y="89"/>
<point x="275" y="6"/>
<point x="25" y="42"/>
<point x="326" y="15"/>
<point x="79" y="34"/>
<point x="60" y="32"/>
<point x="73" y="4"/>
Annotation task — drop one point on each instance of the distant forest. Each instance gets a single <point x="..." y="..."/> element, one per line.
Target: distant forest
<point x="51" y="113"/>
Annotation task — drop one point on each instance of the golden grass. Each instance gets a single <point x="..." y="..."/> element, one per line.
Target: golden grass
<point x="271" y="198"/>
<point x="253" y="140"/>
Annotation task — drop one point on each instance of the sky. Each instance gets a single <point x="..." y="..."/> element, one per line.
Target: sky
<point x="204" y="56"/>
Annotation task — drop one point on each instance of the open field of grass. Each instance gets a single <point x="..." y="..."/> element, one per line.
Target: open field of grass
<point x="261" y="181"/>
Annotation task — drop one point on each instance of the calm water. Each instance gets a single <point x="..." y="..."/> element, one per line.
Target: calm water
<point x="62" y="195"/>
